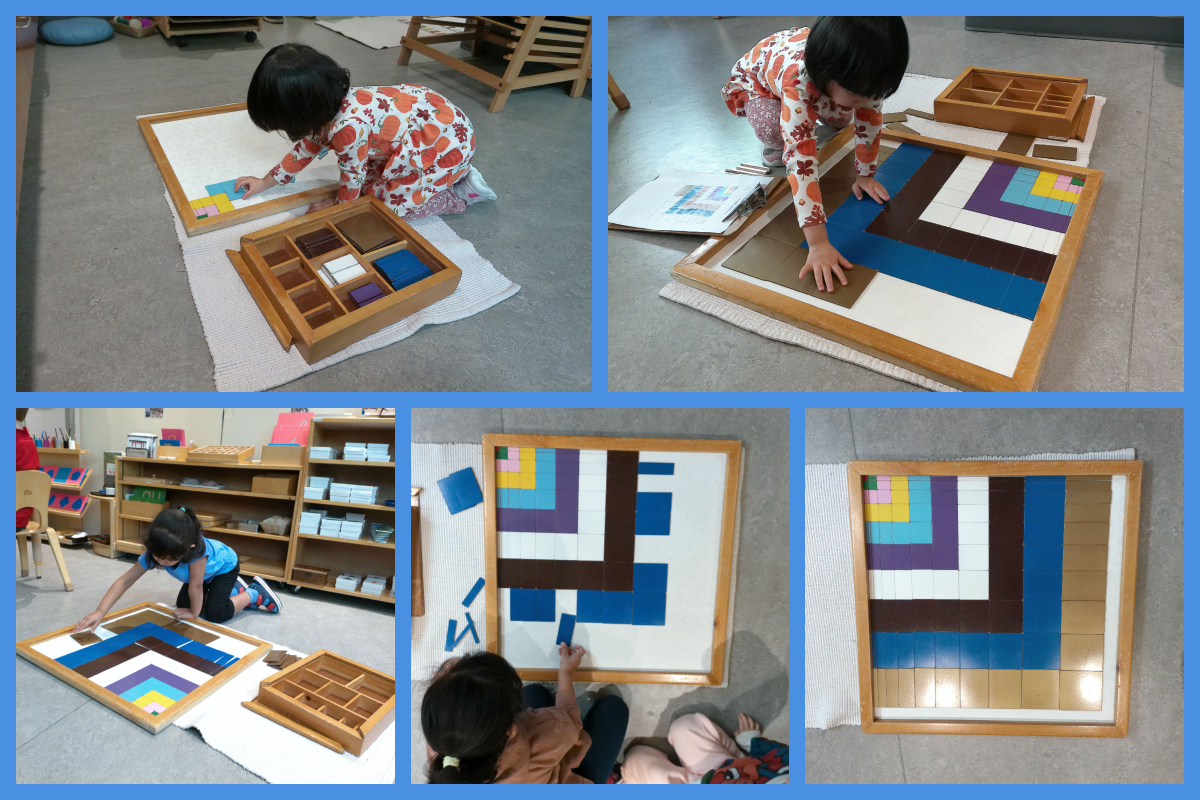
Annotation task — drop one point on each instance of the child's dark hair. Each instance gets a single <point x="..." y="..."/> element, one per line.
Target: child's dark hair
<point x="867" y="56"/>
<point x="467" y="712"/>
<point x="297" y="90"/>
<point x="174" y="535"/>
<point x="21" y="414"/>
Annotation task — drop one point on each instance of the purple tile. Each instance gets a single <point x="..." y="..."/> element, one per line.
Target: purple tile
<point x="902" y="556"/>
<point x="979" y="204"/>
<point x="567" y="456"/>
<point x="945" y="532"/>
<point x="922" y="556"/>
<point x="944" y="497"/>
<point x="506" y="519"/>
<point x="567" y="499"/>
<point x="543" y="521"/>
<point x="1062" y="223"/>
<point x="886" y="556"/>
<point x="945" y="556"/>
<point x="943" y="482"/>
<point x="1029" y="216"/>
<point x="566" y="520"/>
<point x="147" y="672"/>
<point x="564" y="468"/>
<point x="873" y="556"/>
<point x="525" y="519"/>
<point x="945" y="514"/>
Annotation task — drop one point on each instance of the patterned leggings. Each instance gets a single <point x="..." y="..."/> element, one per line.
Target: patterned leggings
<point x="445" y="203"/>
<point x="763" y="115"/>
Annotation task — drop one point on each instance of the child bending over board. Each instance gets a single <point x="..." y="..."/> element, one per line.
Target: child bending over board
<point x="708" y="755"/>
<point x="212" y="587"/>
<point x="482" y="726"/>
<point x="406" y="145"/>
<point x="835" y="73"/>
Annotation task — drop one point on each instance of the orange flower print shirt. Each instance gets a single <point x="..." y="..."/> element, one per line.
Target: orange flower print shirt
<point x="404" y="144"/>
<point x="775" y="69"/>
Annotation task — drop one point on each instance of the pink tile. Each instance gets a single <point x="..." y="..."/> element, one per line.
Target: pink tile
<point x="200" y="212"/>
<point x="883" y="482"/>
<point x="885" y="496"/>
<point x="212" y="211"/>
<point x="869" y="496"/>
<point x="1063" y="182"/>
<point x="152" y="707"/>
<point x="1073" y="189"/>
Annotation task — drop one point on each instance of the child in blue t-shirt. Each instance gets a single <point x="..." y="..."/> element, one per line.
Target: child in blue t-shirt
<point x="207" y="568"/>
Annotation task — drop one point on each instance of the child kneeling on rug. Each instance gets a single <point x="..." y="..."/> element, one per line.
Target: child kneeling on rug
<point x="482" y="726"/>
<point x="707" y="755"/>
<point x="406" y="145"/>
<point x="212" y="588"/>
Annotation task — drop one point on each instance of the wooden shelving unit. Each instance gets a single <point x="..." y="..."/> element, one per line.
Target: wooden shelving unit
<point x="64" y="457"/>
<point x="359" y="556"/>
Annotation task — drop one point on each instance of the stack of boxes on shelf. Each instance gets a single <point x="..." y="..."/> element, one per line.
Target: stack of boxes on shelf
<point x="357" y="451"/>
<point x="381" y="533"/>
<point x="348" y="527"/>
<point x="353" y="493"/>
<point x="317" y="488"/>
<point x="349" y="582"/>
<point x="323" y="452"/>
<point x="310" y="522"/>
<point x="374" y="585"/>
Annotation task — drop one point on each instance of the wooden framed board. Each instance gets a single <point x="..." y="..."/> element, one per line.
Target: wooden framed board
<point x="149" y="673"/>
<point x="995" y="597"/>
<point x="195" y="150"/>
<point x="634" y="537"/>
<point x="968" y="294"/>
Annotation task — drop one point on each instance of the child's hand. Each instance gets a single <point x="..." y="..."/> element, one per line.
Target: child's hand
<point x="89" y="622"/>
<point x="321" y="206"/>
<point x="872" y="187"/>
<point x="745" y="723"/>
<point x="253" y="185"/>
<point x="184" y="613"/>
<point x="825" y="261"/>
<point x="569" y="657"/>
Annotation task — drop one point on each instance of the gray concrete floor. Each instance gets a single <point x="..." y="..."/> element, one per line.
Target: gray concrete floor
<point x="100" y="278"/>
<point x="1153" y="751"/>
<point x="758" y="666"/>
<point x="63" y="736"/>
<point x="1122" y="326"/>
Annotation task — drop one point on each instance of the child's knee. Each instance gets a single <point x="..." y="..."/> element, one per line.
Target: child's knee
<point x="220" y="615"/>
<point x="688" y="724"/>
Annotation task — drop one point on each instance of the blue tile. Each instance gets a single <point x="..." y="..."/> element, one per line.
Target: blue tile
<point x="589" y="606"/>
<point x="650" y="578"/>
<point x="1004" y="651"/>
<point x="649" y="608"/>
<point x="1029" y="303"/>
<point x="1038" y="494"/>
<point x="1041" y="483"/>
<point x="841" y="236"/>
<point x="545" y="605"/>
<point x="947" y="653"/>
<point x="900" y="533"/>
<point x="655" y="468"/>
<point x="543" y="499"/>
<point x="968" y="280"/>
<point x="898" y="167"/>
<point x="1044" y="533"/>
<point x="1044" y="513"/>
<point x="993" y="288"/>
<point x="920" y="532"/>
<point x="906" y="262"/>
<point x="973" y="650"/>
<point x="1041" y="584"/>
<point x="654" y="502"/>
<point x="893" y="183"/>
<point x="618" y="608"/>
<point x="921" y="513"/>
<point x="919" y="496"/>
<point x="1069" y="209"/>
<point x="650" y="524"/>
<point x="225" y="188"/>
<point x="460" y="490"/>
<point x="1043" y="557"/>
<point x="938" y="273"/>
<point x="521" y="605"/>
<point x="1036" y="201"/>
<point x="1027" y="173"/>
<point x="547" y="480"/>
<point x="1015" y="194"/>
<point x="885" y="650"/>
<point x="527" y="499"/>
<point x="1041" y="616"/>
<point x="905" y="651"/>
<point x="566" y="629"/>
<point x="924" y="649"/>
<point x="872" y="533"/>
<point x="885" y="533"/>
<point x="1040" y="651"/>
<point x="1053" y="205"/>
<point x="1011" y="303"/>
<point x="860" y="213"/>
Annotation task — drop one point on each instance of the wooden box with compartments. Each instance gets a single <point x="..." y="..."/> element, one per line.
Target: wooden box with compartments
<point x="331" y="278"/>
<point x="1016" y="102"/>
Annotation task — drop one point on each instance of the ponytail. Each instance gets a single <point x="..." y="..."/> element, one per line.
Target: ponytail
<point x="445" y="769"/>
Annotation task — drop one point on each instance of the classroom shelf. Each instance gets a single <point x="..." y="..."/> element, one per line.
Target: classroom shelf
<point x="388" y="596"/>
<point x="65" y="457"/>
<point x="344" y="463"/>
<point x="215" y="465"/>
<point x="204" y="490"/>
<point x="363" y="542"/>
<point x="355" y="506"/>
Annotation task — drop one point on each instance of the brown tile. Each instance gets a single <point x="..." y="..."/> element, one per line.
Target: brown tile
<point x="891" y="688"/>
<point x="523" y="569"/>
<point x="504" y="573"/>
<point x="784" y="228"/>
<point x="192" y="632"/>
<point x="1028" y="263"/>
<point x="1080" y="691"/>
<point x="1087" y="513"/>
<point x="924" y="687"/>
<point x="545" y="574"/>
<point x="973" y="688"/>
<point x="1006" y="483"/>
<point x="892" y="224"/>
<point x="947" y="686"/>
<point x="1084" y="585"/>
<point x="98" y="665"/>
<point x="618" y="576"/>
<point x="973" y="616"/>
<point x="1006" y="533"/>
<point x="924" y="234"/>
<point x="1085" y="556"/>
<point x="1008" y="514"/>
<point x="1039" y="688"/>
<point x="1082" y="652"/>
<point x="1085" y="533"/>
<point x="1007" y="257"/>
<point x="1004" y="584"/>
<point x="1045" y="263"/>
<point x="1004" y="616"/>
<point x="956" y="244"/>
<point x="1082" y="616"/>
<point x="590" y="575"/>
<point x="1005" y="557"/>
<point x="924" y="618"/>
<point x="1055" y="151"/>
<point x="86" y="638"/>
<point x="760" y="256"/>
<point x="985" y="252"/>
<point x="857" y="280"/>
<point x="902" y="616"/>
<point x="1006" y="497"/>
<point x="921" y="114"/>
<point x="618" y="548"/>
<point x="1004" y="688"/>
<point x="907" y="688"/>
<point x="946" y="615"/>
<point x="881" y="616"/>
<point x="568" y="575"/>
<point x="1016" y="143"/>
<point x="1078" y="497"/>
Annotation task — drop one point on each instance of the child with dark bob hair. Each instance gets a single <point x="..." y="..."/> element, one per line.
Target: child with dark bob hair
<point x="406" y="145"/>
<point x="482" y="726"/>
<point x="212" y="587"/>
<point x="836" y="73"/>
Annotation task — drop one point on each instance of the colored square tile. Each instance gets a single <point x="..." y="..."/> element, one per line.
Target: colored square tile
<point x="649" y="608"/>
<point x="885" y="650"/>
<point x="991" y="291"/>
<point x="589" y="606"/>
<point x="1084" y="584"/>
<point x="947" y="652"/>
<point x="946" y="687"/>
<point x="1039" y="688"/>
<point x="937" y="274"/>
<point x="973" y="688"/>
<point x="618" y="608"/>
<point x="906" y="262"/>
<point x="1082" y="616"/>
<point x="1082" y="652"/>
<point x="522" y="605"/>
<point x="924" y="649"/>
<point x="1004" y="651"/>
<point x="1043" y="557"/>
<point x="1040" y="651"/>
<point x="973" y="650"/>
<point x="1080" y="691"/>
<point x="650" y="578"/>
<point x="1042" y="616"/>
<point x="967" y="281"/>
<point x="1004" y="688"/>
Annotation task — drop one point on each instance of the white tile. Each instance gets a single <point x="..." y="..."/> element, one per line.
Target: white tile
<point x="1054" y="243"/>
<point x="904" y="587"/>
<point x="591" y="501"/>
<point x="972" y="482"/>
<point x="951" y="197"/>
<point x="961" y="184"/>
<point x="997" y="228"/>
<point x="972" y="557"/>
<point x="593" y="468"/>
<point x="1037" y="239"/>
<point x="593" y="455"/>
<point x="566" y="547"/>
<point x="528" y="544"/>
<point x="1019" y="234"/>
<point x="885" y="586"/>
<point x="591" y="522"/>
<point x="972" y="514"/>
<point x="939" y="214"/>
<point x="974" y="164"/>
<point x="973" y="497"/>
<point x="591" y="548"/>
<point x="972" y="533"/>
<point x="592" y="483"/>
<point x="872" y="579"/>
<point x="969" y="221"/>
<point x="922" y="584"/>
<point x="545" y="546"/>
<point x="945" y="584"/>
<point x="510" y="544"/>
<point x="973" y="584"/>
<point x="564" y="602"/>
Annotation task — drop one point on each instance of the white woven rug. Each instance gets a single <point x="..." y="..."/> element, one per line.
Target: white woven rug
<point x="247" y="356"/>
<point x="916" y="92"/>
<point x="830" y="638"/>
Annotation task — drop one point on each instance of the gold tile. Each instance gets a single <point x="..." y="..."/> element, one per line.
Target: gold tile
<point x="1082" y="651"/>
<point x="1087" y="513"/>
<point x="973" y="688"/>
<point x="1080" y="497"/>
<point x="923" y="687"/>
<point x="891" y="683"/>
<point x="1080" y="691"/>
<point x="784" y="228"/>
<point x="1082" y="616"/>
<point x="947" y="687"/>
<point x="1089" y="483"/>
<point x="907" y="688"/>
<point x="1085" y="556"/>
<point x="760" y="256"/>
<point x="1039" y="688"/>
<point x="1084" y="584"/>
<point x="1004" y="688"/>
<point x="879" y="689"/>
<point x="1085" y="533"/>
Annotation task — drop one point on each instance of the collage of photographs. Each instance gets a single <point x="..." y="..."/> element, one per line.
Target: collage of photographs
<point x="658" y="480"/>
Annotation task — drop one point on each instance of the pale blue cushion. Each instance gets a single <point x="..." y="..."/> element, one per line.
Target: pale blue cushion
<point x="76" y="30"/>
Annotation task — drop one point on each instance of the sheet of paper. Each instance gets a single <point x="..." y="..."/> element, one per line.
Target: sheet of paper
<point x="687" y="202"/>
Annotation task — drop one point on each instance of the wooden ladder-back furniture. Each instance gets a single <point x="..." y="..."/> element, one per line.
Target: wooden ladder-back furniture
<point x="565" y="43"/>
<point x="616" y="95"/>
<point x="33" y="491"/>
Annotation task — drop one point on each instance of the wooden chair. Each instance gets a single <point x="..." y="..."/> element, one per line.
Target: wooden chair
<point x="567" y="46"/>
<point x="33" y="491"/>
<point x="616" y="95"/>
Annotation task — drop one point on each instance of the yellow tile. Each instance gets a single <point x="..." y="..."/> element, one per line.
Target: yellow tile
<point x="1059" y="194"/>
<point x="907" y="683"/>
<point x="1084" y="585"/>
<point x="973" y="688"/>
<point x="1085" y="533"/>
<point x="1048" y="176"/>
<point x="1082" y="651"/>
<point x="1085" y="557"/>
<point x="899" y="513"/>
<point x="1041" y="190"/>
<point x="1004" y="688"/>
<point x="1072" y="197"/>
<point x="528" y="453"/>
<point x="883" y="513"/>
<point x="223" y="204"/>
<point x="900" y="498"/>
<point x="924" y="687"/>
<point x="1080" y="691"/>
<point x="1088" y="512"/>
<point x="528" y="467"/>
<point x="1082" y="616"/>
<point x="869" y="513"/>
<point x="947" y="687"/>
<point x="879" y="689"/>
<point x="1039" y="688"/>
<point x="504" y="480"/>
<point x="197" y="204"/>
<point x="528" y="480"/>
<point x="900" y="482"/>
<point x="891" y="687"/>
<point x="153" y="697"/>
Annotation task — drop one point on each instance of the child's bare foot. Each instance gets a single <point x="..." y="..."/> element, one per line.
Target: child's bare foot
<point x="745" y="723"/>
